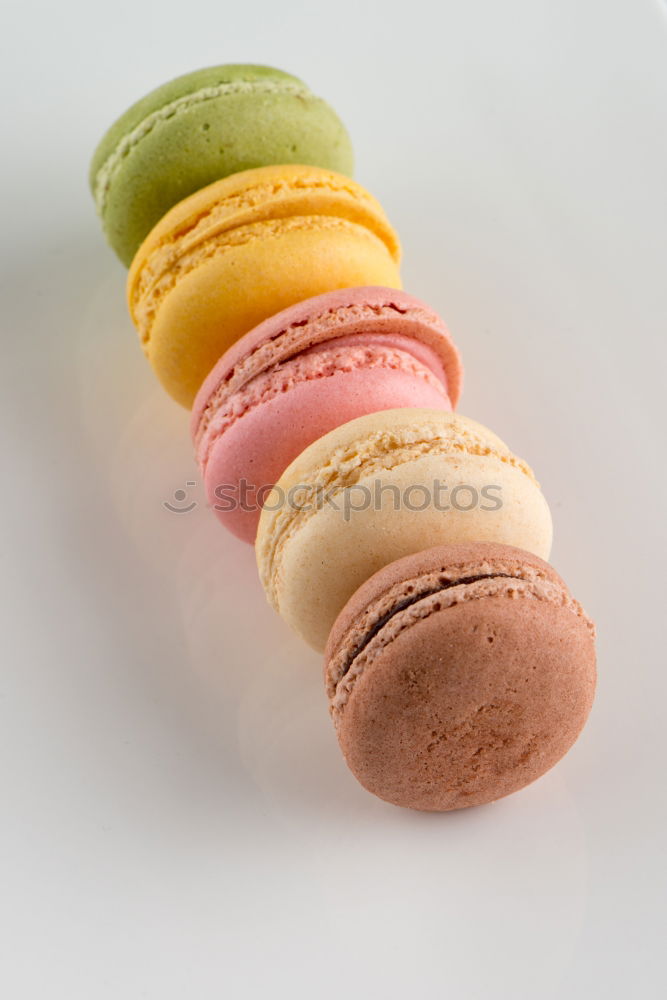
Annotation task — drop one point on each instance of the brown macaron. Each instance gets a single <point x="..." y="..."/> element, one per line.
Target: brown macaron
<point x="458" y="675"/>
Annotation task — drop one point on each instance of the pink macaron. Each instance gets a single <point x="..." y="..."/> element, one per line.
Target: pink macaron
<point x="305" y="371"/>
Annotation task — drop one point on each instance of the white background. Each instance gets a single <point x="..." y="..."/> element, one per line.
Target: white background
<point x="176" y="820"/>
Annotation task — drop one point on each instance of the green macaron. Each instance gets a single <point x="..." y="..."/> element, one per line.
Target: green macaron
<point x="199" y="128"/>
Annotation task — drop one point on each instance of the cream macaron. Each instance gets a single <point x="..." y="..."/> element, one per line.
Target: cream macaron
<point x="380" y="487"/>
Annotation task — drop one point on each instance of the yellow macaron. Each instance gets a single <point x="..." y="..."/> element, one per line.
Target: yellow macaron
<point x="243" y="248"/>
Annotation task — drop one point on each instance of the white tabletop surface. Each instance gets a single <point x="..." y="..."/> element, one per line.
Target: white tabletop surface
<point x="175" y="818"/>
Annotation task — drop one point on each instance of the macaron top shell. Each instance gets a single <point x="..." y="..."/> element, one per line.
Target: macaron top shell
<point x="201" y="127"/>
<point x="330" y="318"/>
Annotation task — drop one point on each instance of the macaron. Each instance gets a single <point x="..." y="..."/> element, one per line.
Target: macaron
<point x="305" y="371"/>
<point x="228" y="257"/>
<point x="384" y="486"/>
<point x="198" y="128"/>
<point x="458" y="675"/>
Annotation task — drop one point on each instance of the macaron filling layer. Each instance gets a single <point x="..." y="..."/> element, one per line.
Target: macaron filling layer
<point x="325" y="360"/>
<point x="104" y="175"/>
<point x="415" y="594"/>
<point x="412" y="601"/>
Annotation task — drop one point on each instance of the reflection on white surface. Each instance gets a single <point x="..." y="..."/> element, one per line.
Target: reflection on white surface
<point x="344" y="861"/>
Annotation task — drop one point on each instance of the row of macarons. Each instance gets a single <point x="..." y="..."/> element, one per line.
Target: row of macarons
<point x="265" y="288"/>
